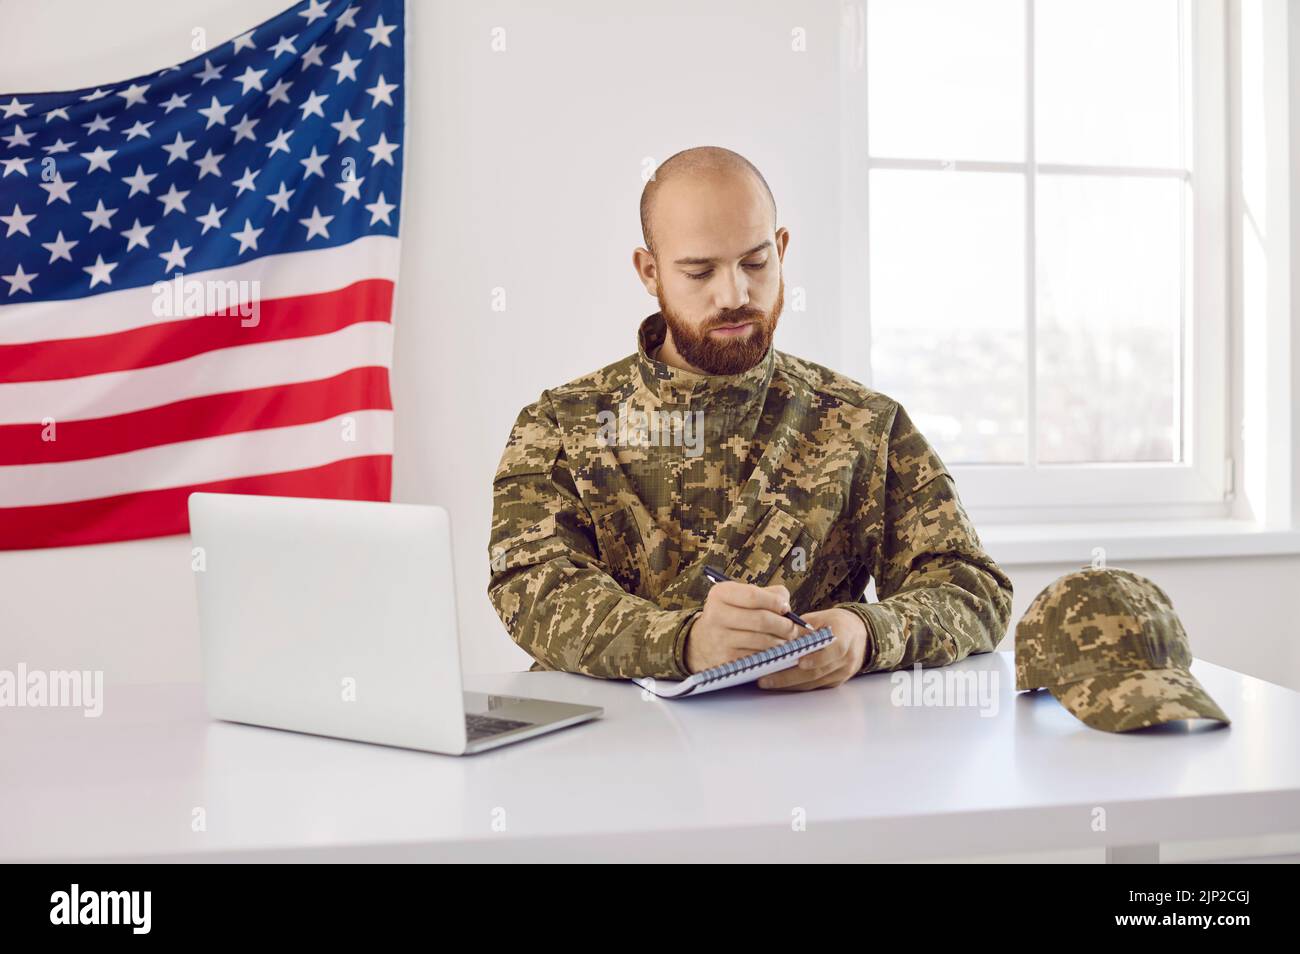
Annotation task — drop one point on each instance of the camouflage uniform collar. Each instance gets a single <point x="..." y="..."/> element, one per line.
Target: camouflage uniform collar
<point x="675" y="386"/>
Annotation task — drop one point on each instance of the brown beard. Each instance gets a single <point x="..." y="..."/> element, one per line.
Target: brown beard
<point x="725" y="355"/>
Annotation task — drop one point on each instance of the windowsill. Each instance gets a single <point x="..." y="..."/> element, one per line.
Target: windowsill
<point x="1135" y="540"/>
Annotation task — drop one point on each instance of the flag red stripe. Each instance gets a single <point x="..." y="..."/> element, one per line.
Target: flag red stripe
<point x="296" y="317"/>
<point x="359" y="389"/>
<point x="158" y="513"/>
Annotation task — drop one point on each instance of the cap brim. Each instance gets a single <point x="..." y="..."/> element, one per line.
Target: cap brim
<point x="1121" y="701"/>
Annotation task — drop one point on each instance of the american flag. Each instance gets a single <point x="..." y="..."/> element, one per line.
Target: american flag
<point x="196" y="280"/>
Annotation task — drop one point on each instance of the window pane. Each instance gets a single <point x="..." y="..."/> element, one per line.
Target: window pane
<point x="1107" y="82"/>
<point x="1109" y="318"/>
<point x="947" y="307"/>
<point x="945" y="78"/>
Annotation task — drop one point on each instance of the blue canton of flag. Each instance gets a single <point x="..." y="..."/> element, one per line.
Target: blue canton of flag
<point x="285" y="138"/>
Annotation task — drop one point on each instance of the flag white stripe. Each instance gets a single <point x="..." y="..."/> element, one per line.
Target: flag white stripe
<point x="264" y="364"/>
<point x="245" y="454"/>
<point x="288" y="275"/>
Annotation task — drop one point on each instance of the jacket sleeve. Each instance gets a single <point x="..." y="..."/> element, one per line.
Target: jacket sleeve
<point x="941" y="597"/>
<point x="548" y="584"/>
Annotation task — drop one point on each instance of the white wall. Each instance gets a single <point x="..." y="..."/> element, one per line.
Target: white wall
<point x="523" y="172"/>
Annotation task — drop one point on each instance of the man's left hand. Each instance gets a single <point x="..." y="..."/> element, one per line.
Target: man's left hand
<point x="832" y="664"/>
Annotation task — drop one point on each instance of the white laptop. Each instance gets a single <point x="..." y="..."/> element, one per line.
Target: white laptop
<point x="338" y="618"/>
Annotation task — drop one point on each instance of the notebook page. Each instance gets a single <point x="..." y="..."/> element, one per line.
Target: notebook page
<point x="748" y="669"/>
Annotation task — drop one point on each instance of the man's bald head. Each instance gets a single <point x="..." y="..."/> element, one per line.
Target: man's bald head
<point x="712" y="259"/>
<point x="700" y="162"/>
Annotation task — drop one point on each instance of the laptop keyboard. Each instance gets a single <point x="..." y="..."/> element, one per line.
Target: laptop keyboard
<point x="482" y="727"/>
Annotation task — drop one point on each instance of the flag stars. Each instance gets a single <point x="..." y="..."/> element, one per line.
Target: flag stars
<point x="247" y="238"/>
<point x="173" y="200"/>
<point x="312" y="56"/>
<point x="137" y="234"/>
<point x="280" y="143"/>
<point x="245" y="182"/>
<point x="19" y="280"/>
<point x="14" y="108"/>
<point x="314" y="164"/>
<point x="251" y="79"/>
<point x="311" y="105"/>
<point x="347" y="127"/>
<point x="99" y="216"/>
<point x="17" y="222"/>
<point x="279" y="93"/>
<point x="382" y="92"/>
<point x="351" y="187"/>
<point x="346" y="68"/>
<point x="58" y="190"/>
<point x="380" y="210"/>
<point x="98" y="124"/>
<point x="244" y="129"/>
<point x="208" y="165"/>
<point x="60" y="248"/>
<point x="139" y="129"/>
<point x="348" y="18"/>
<point x="100" y="271"/>
<point x="379" y="33"/>
<point x="382" y="151"/>
<point x="285" y="45"/>
<point x="216" y="113"/>
<point x="317" y="223"/>
<point x="208" y="73"/>
<point x="178" y="148"/>
<point x="133" y="95"/>
<point x="315" y="10"/>
<point x="175" y="258"/>
<point x="139" y="182"/>
<point x="211" y="219"/>
<point x="252" y="65"/>
<point x="98" y="158"/>
<point x="280" y="199"/>
<point x="18" y="138"/>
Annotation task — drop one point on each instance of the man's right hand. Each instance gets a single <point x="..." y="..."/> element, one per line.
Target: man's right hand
<point x="738" y="619"/>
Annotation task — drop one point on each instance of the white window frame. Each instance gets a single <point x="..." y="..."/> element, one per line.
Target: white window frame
<point x="1201" y="486"/>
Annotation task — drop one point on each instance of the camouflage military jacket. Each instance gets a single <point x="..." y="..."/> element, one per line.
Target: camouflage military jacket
<point x="616" y="489"/>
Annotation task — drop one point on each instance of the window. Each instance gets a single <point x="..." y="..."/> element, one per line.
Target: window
<point x="1047" y="248"/>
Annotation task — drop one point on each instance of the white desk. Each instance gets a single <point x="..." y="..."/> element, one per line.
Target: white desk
<point x="719" y="777"/>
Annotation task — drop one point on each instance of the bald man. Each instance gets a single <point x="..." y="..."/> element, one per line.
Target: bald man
<point x="710" y="447"/>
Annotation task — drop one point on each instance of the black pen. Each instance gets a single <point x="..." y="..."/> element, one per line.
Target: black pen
<point x="717" y="576"/>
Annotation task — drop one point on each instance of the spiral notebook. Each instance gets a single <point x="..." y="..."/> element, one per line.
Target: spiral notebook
<point x="739" y="671"/>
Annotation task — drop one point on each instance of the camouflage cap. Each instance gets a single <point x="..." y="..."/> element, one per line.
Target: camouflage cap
<point x="1108" y="645"/>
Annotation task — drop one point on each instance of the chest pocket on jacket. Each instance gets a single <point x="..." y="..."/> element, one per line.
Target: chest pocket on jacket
<point x="770" y="555"/>
<point x="622" y="548"/>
